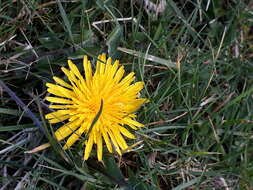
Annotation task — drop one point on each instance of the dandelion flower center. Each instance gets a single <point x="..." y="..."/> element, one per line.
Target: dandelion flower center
<point x="78" y="102"/>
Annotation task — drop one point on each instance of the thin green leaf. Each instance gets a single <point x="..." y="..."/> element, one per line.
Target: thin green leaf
<point x="149" y="57"/>
<point x="65" y="20"/>
<point x="114" y="40"/>
<point x="16" y="127"/>
<point x="187" y="184"/>
<point x="52" y="183"/>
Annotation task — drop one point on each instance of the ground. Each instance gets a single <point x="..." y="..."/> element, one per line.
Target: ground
<point x="196" y="59"/>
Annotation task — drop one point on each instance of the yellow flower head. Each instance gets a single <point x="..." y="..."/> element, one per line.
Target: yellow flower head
<point x="80" y="101"/>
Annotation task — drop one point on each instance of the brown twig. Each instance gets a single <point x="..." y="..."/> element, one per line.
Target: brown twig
<point x="166" y="121"/>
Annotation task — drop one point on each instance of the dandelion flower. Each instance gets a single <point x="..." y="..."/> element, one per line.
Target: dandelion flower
<point x="79" y="101"/>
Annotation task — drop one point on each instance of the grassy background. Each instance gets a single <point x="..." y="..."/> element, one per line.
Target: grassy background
<point x="198" y="132"/>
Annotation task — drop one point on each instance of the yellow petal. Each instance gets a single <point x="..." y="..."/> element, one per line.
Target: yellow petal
<point x="127" y="80"/>
<point x="135" y="88"/>
<point x="70" y="75"/>
<point x="135" y="105"/>
<point x="62" y="82"/>
<point x="100" y="67"/>
<point x="80" y="96"/>
<point x="57" y="114"/>
<point x="74" y="69"/>
<point x="114" y="142"/>
<point x="88" y="147"/>
<point x="107" y="141"/>
<point x="59" y="100"/>
<point x="66" y="129"/>
<point x="87" y="69"/>
<point x="74" y="137"/>
<point x="129" y="121"/>
<point x="83" y="109"/>
<point x="59" y="119"/>
<point x="74" y="117"/>
<point x="103" y="58"/>
<point x="99" y="146"/>
<point x="97" y="71"/>
<point x="119" y="74"/>
<point x="55" y="92"/>
<point x="114" y="68"/>
<point x="50" y="85"/>
<point x="108" y="65"/>
<point x="59" y="91"/>
<point x="120" y="140"/>
<point x="62" y="106"/>
<point x="125" y="132"/>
